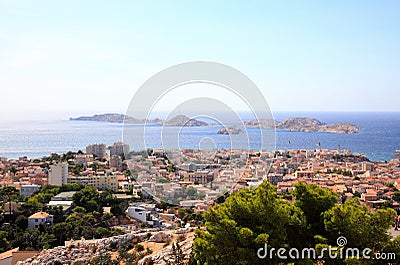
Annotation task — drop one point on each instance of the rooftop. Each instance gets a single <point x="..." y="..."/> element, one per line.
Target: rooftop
<point x="39" y="215"/>
<point x="65" y="194"/>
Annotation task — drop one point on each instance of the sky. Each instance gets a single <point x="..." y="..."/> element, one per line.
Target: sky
<point x="62" y="58"/>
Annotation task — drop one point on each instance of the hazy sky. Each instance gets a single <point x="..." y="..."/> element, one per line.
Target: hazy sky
<point x="91" y="56"/>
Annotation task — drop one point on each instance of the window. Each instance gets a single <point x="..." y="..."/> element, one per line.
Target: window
<point x="36" y="220"/>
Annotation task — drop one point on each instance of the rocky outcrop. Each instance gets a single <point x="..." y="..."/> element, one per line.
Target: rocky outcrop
<point x="82" y="251"/>
<point x="167" y="254"/>
<point x="86" y="251"/>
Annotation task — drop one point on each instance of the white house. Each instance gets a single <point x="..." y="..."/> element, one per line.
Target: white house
<point x="143" y="215"/>
<point x="39" y="218"/>
<point x="138" y="213"/>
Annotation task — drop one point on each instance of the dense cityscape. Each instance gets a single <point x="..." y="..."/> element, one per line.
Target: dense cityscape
<point x="87" y="197"/>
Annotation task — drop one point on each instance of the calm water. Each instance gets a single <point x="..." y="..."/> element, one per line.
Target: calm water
<point x="379" y="137"/>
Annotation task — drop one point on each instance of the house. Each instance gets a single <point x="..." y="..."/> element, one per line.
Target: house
<point x="27" y="190"/>
<point x="39" y="218"/>
<point x="143" y="215"/>
<point x="369" y="197"/>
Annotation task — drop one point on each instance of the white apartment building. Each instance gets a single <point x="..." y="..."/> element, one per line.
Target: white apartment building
<point x="58" y="174"/>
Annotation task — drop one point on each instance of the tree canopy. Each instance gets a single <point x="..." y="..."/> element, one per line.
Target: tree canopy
<point x="250" y="218"/>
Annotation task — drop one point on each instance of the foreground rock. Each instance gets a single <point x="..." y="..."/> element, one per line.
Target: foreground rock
<point x="83" y="252"/>
<point x="171" y="244"/>
<point x="168" y="255"/>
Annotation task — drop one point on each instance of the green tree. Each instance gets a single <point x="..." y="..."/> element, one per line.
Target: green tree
<point x="361" y="227"/>
<point x="119" y="207"/>
<point x="107" y="198"/>
<point x="4" y="244"/>
<point x="22" y="222"/>
<point x="88" y="198"/>
<point x="62" y="231"/>
<point x="314" y="201"/>
<point x="79" y="209"/>
<point x="237" y="228"/>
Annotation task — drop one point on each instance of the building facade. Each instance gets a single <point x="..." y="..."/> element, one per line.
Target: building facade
<point x="58" y="174"/>
<point x="39" y="218"/>
<point x="118" y="148"/>
<point x="27" y="190"/>
<point x="96" y="149"/>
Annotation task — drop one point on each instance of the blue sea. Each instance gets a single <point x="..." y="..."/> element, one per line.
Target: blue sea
<point x="378" y="138"/>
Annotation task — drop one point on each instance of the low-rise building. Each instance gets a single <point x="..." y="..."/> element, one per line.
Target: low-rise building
<point x="39" y="218"/>
<point x="143" y="215"/>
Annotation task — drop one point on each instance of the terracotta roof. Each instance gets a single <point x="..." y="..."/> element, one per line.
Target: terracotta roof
<point x="8" y="254"/>
<point x="39" y="215"/>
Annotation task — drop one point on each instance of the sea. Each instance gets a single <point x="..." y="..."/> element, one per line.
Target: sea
<point x="378" y="138"/>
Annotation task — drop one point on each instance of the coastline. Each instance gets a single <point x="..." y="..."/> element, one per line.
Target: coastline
<point x="378" y="138"/>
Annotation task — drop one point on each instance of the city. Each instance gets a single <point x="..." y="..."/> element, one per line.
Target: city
<point x="144" y="190"/>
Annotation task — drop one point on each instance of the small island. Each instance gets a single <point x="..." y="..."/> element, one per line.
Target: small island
<point x="260" y="123"/>
<point x="302" y="124"/>
<point x="179" y="120"/>
<point x="313" y="125"/>
<point x="111" y="117"/>
<point x="182" y="120"/>
<point x="231" y="130"/>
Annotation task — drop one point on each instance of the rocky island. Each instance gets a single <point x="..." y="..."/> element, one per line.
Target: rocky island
<point x="260" y="123"/>
<point x="179" y="120"/>
<point x="182" y="120"/>
<point x="314" y="125"/>
<point x="302" y="124"/>
<point x="231" y="130"/>
<point x="114" y="118"/>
